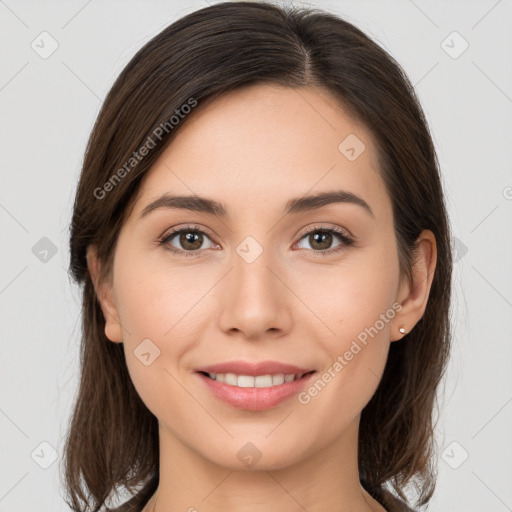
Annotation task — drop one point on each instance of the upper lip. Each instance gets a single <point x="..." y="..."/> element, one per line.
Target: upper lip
<point x="254" y="368"/>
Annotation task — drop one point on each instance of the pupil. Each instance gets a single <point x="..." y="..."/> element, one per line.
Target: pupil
<point x="322" y="237"/>
<point x="188" y="238"/>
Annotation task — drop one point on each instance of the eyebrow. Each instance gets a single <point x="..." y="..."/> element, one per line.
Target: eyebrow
<point x="297" y="205"/>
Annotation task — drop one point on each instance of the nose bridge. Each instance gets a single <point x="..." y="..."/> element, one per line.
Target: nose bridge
<point x="254" y="301"/>
<point x="251" y="271"/>
<point x="253" y="279"/>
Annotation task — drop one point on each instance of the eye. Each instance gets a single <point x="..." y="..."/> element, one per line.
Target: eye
<point x="321" y="238"/>
<point x="190" y="241"/>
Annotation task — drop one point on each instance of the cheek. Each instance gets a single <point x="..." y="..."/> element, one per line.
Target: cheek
<point x="161" y="309"/>
<point x="359" y="307"/>
<point x="355" y="357"/>
<point x="157" y="298"/>
<point x="355" y="296"/>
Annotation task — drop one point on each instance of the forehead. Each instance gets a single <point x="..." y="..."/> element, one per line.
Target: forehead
<point x="264" y="144"/>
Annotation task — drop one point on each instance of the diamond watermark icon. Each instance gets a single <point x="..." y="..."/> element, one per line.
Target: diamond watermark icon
<point x="44" y="45"/>
<point x="454" y="45"/>
<point x="44" y="250"/>
<point x="249" y="454"/>
<point x="454" y="455"/>
<point x="146" y="352"/>
<point x="351" y="147"/>
<point x="459" y="249"/>
<point x="44" y="455"/>
<point x="249" y="249"/>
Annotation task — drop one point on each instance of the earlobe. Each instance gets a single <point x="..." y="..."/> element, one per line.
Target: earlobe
<point x="105" y="295"/>
<point x="414" y="293"/>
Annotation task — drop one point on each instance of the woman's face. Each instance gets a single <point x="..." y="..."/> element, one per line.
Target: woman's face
<point x="265" y="281"/>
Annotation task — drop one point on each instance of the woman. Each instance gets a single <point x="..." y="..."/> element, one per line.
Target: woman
<point x="262" y="240"/>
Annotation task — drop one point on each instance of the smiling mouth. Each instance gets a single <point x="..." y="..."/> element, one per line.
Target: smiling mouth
<point x="259" y="381"/>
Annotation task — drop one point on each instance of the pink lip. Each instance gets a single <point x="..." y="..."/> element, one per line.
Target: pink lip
<point x="253" y="369"/>
<point x="254" y="399"/>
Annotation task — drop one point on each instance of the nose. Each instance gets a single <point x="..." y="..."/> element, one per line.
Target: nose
<point x="254" y="300"/>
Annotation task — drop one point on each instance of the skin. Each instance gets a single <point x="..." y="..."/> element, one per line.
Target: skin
<point x="253" y="150"/>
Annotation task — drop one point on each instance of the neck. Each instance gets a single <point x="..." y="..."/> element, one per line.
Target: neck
<point x="327" y="479"/>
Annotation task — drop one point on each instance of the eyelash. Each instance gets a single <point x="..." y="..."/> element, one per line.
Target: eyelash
<point x="346" y="240"/>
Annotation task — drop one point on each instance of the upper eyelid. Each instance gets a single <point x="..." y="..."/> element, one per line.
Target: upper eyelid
<point x="325" y="226"/>
<point x="175" y="231"/>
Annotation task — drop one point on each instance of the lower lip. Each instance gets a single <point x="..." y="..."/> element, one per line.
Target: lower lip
<point x="255" y="399"/>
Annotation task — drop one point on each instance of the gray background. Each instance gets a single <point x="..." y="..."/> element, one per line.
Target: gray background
<point x="48" y="108"/>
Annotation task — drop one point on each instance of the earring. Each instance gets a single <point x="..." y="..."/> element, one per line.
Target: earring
<point x="402" y="330"/>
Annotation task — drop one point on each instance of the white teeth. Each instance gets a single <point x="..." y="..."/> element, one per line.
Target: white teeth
<point x="263" y="381"/>
<point x="277" y="379"/>
<point x="231" y="379"/>
<point x="245" y="381"/>
<point x="248" y="381"/>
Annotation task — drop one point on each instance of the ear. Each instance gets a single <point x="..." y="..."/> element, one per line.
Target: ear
<point x="413" y="295"/>
<point x="105" y="294"/>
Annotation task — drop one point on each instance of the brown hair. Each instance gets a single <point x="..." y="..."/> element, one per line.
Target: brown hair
<point x="113" y="438"/>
